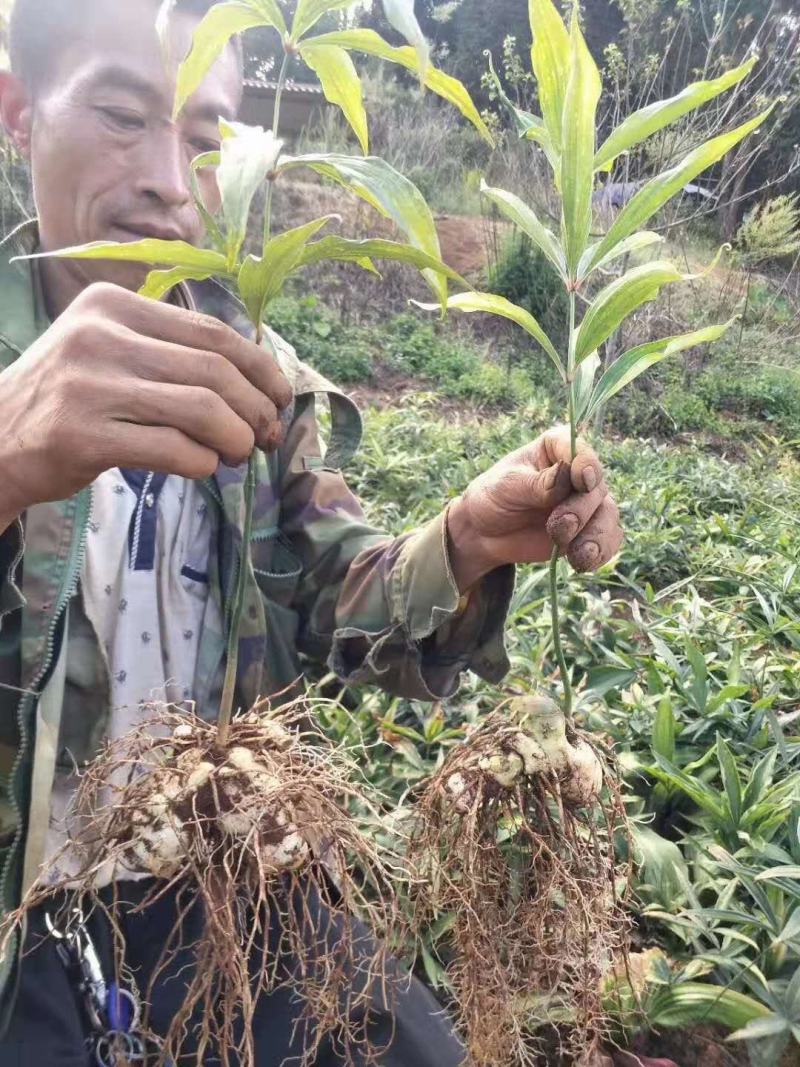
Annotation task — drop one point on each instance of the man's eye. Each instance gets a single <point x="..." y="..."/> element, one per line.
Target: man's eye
<point x="201" y="145"/>
<point x="121" y="118"/>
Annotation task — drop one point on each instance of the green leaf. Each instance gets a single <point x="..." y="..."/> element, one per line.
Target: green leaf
<point x="582" y="385"/>
<point x="760" y="778"/>
<point x="690" y="1003"/>
<point x="791" y="929"/>
<point x="730" y="779"/>
<point x="345" y="249"/>
<point x="340" y="84"/>
<point x="630" y="246"/>
<point x="261" y="279"/>
<point x="661" y="867"/>
<point x="150" y="250"/>
<point x="701" y="794"/>
<point x="160" y="282"/>
<point x="648" y="120"/>
<point x="601" y="680"/>
<point x="655" y="193"/>
<point x="247" y="156"/>
<point x="389" y="193"/>
<point x="768" y="1026"/>
<point x="206" y="159"/>
<point x="448" y="88"/>
<point x="550" y="56"/>
<point x="663" y="739"/>
<point x="773" y="874"/>
<point x="218" y="26"/>
<point x="400" y="16"/>
<point x="578" y="146"/>
<point x="518" y="212"/>
<point x="636" y="361"/>
<point x="309" y="12"/>
<point x="728" y="692"/>
<point x="498" y="305"/>
<point x="618" y="300"/>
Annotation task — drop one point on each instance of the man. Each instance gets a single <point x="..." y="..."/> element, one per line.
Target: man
<point x="125" y="428"/>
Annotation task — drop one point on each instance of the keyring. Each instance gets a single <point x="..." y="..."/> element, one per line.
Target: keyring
<point x="106" y="1053"/>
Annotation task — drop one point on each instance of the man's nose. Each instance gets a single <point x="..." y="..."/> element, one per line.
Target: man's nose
<point x="165" y="170"/>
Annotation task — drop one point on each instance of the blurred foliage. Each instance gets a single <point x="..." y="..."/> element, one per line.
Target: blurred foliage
<point x="770" y="230"/>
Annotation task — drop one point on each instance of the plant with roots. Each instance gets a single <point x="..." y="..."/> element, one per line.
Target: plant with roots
<point x="514" y="836"/>
<point x="248" y="811"/>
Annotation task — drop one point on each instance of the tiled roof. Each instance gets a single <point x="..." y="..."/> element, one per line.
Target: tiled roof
<point x="258" y="86"/>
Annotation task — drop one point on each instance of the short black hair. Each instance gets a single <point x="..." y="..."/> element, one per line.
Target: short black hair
<point x="37" y="26"/>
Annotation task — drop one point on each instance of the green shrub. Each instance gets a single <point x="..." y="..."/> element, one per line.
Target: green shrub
<point x="418" y="347"/>
<point x="491" y="384"/>
<point x="769" y="394"/>
<point x="319" y="338"/>
<point x="523" y="275"/>
<point x="414" y="345"/>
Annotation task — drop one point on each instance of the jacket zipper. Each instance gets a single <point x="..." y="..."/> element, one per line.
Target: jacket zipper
<point x="68" y="589"/>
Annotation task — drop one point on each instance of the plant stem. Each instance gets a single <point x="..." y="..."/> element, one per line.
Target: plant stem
<point x="554" y="615"/>
<point x="232" y="657"/>
<point x="275" y="126"/>
<point x="554" y="608"/>
<point x="232" y="653"/>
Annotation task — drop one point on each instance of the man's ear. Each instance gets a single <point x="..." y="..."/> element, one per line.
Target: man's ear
<point x="16" y="112"/>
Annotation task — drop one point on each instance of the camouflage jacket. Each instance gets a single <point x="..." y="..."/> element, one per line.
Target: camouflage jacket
<point x="322" y="584"/>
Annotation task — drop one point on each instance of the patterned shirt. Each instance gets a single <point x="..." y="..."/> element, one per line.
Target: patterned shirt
<point x="144" y="590"/>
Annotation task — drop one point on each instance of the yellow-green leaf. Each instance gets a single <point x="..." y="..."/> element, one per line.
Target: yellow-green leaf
<point x="390" y="193"/>
<point x="348" y="250"/>
<point x="247" y="155"/>
<point x="551" y="60"/>
<point x="448" y="88"/>
<point x="262" y="278"/>
<point x="528" y="221"/>
<point x="206" y="159"/>
<point x="691" y="1003"/>
<point x="340" y="84"/>
<point x="160" y="282"/>
<point x="218" y="26"/>
<point x="623" y="296"/>
<point x="159" y="253"/>
<point x="401" y="17"/>
<point x="637" y="242"/>
<point x="637" y="360"/>
<point x="582" y="385"/>
<point x="655" y="193"/>
<point x="648" y="120"/>
<point x="309" y="12"/>
<point x="499" y="305"/>
<point x="578" y="146"/>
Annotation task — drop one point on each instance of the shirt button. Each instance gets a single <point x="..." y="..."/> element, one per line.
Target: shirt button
<point x="149" y="500"/>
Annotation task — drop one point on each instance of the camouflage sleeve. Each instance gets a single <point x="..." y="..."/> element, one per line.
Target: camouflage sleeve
<point x="379" y="609"/>
<point x="11" y="545"/>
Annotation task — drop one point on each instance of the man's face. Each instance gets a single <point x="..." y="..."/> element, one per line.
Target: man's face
<point x="108" y="163"/>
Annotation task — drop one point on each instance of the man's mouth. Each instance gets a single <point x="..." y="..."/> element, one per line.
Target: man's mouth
<point x="140" y="231"/>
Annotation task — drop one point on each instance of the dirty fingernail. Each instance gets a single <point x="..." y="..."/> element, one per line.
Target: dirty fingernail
<point x="549" y="479"/>
<point x="590" y="478"/>
<point x="589" y="553"/>
<point x="568" y="526"/>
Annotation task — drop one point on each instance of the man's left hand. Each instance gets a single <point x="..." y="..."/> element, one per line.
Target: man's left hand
<point x="531" y="500"/>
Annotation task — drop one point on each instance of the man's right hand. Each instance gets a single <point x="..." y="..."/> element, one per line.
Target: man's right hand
<point x="121" y="381"/>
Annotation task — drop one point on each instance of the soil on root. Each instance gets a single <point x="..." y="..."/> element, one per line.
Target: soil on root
<point x="533" y="892"/>
<point x="259" y="832"/>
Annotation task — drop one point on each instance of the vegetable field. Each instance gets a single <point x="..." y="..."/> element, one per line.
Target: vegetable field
<point x="697" y="625"/>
